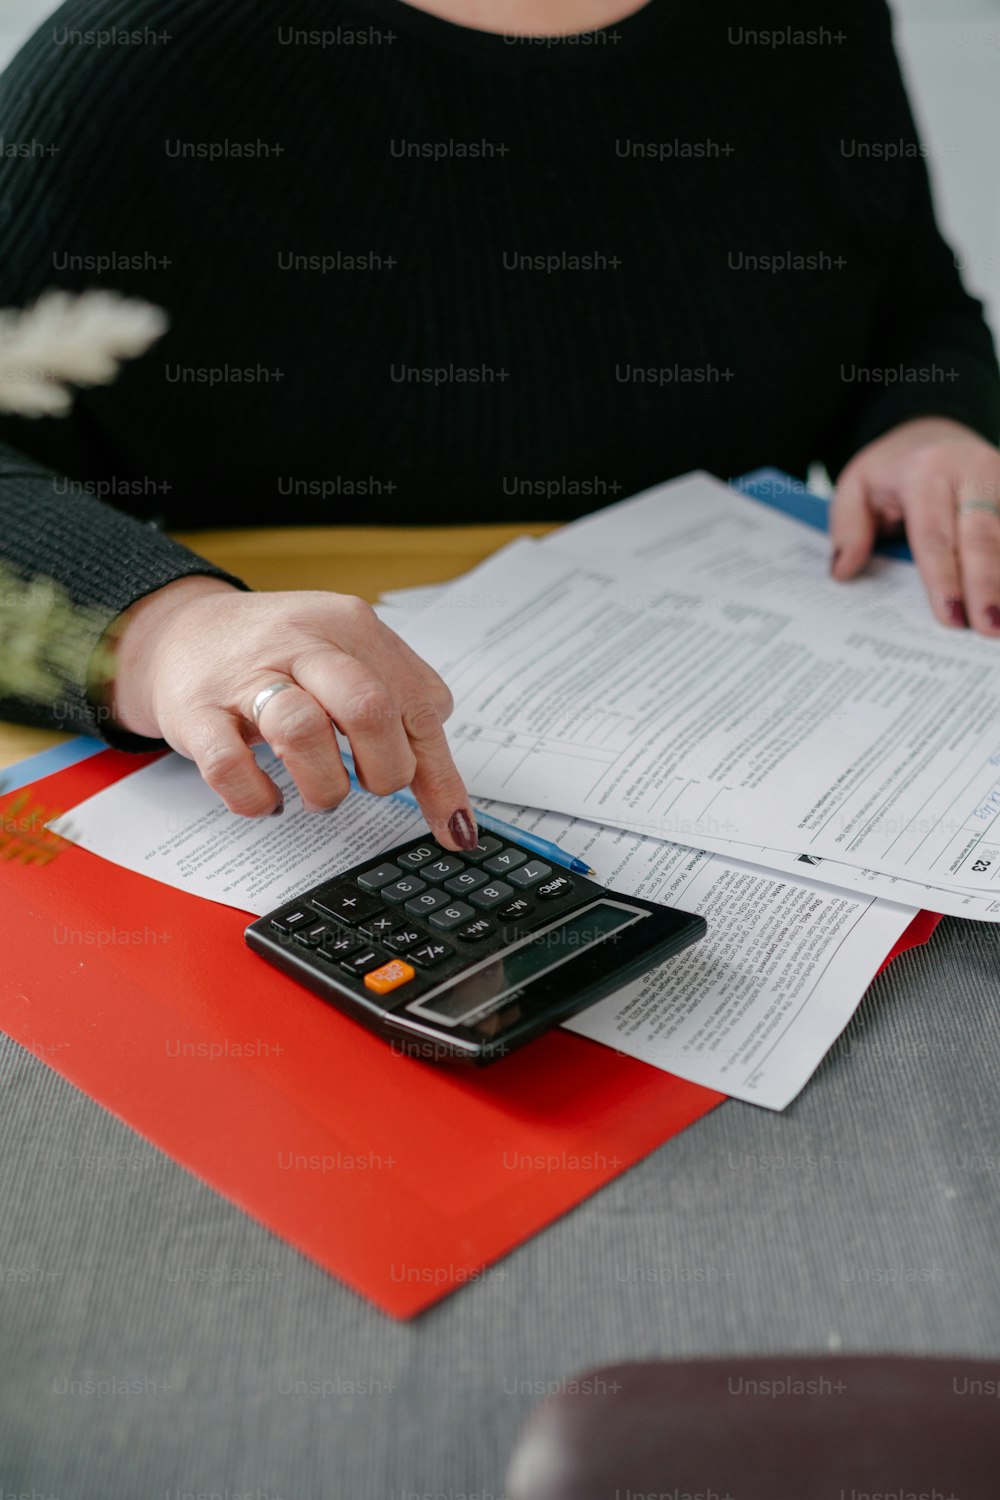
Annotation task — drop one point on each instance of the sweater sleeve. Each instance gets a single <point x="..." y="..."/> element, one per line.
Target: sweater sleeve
<point x="52" y="526"/>
<point x="104" y="561"/>
<point x="931" y="353"/>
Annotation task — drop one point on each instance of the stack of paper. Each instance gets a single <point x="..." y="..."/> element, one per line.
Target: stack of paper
<point x="681" y="665"/>
<point x="674" y="690"/>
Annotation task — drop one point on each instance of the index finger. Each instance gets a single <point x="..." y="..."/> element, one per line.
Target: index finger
<point x="436" y="783"/>
<point x="929" y="510"/>
<point x="978" y="533"/>
<point x="424" y="703"/>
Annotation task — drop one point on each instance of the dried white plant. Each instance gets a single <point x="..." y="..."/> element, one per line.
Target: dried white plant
<point x="66" y="339"/>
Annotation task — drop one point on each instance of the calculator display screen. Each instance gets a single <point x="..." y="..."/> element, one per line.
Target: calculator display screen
<point x="484" y="989"/>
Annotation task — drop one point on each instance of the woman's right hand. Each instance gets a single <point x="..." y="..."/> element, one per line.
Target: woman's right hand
<point x="192" y="656"/>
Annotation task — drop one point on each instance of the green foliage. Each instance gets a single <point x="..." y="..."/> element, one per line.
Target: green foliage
<point x="46" y="640"/>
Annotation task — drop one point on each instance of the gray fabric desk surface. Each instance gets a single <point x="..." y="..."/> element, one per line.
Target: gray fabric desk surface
<point x="866" y="1217"/>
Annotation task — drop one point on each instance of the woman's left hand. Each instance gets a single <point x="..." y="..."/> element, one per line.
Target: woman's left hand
<point x="942" y="482"/>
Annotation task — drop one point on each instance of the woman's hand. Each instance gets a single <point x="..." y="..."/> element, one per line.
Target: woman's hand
<point x="192" y="657"/>
<point x="926" y="475"/>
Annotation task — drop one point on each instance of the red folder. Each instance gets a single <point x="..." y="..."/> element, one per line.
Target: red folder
<point x="403" y="1179"/>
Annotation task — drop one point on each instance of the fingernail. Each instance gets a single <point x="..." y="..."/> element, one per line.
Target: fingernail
<point x="279" y="809"/>
<point x="834" y="559"/>
<point x="993" y="616"/>
<point x="463" y="830"/>
<point x="956" y="612"/>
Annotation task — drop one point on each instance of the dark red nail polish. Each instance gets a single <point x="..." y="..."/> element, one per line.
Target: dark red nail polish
<point x="279" y="809"/>
<point x="956" y="612"/>
<point x="993" y="616"/>
<point x="834" y="558"/>
<point x="463" y="830"/>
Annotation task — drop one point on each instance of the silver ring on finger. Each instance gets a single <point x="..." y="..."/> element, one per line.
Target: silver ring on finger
<point x="264" y="696"/>
<point x="972" y="507"/>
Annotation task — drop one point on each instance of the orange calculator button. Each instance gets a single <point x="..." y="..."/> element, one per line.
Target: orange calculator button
<point x="389" y="977"/>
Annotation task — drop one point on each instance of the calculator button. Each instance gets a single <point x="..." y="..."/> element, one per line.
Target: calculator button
<point x="347" y="903"/>
<point x="380" y="926"/>
<point x="404" y="937"/>
<point x="559" y="885"/>
<point x="469" y="880"/>
<point x="515" y="910"/>
<point x="491" y="895"/>
<point x="389" y="977"/>
<point x="441" y="869"/>
<point x="402" y="890"/>
<point x="427" y="901"/>
<point x="476" y="930"/>
<point x="450" y="916"/>
<point x="338" y="945"/>
<point x="421" y="854"/>
<point x="380" y="875"/>
<point x="311" y="937"/>
<point x="360" y="963"/>
<point x="292" y="919"/>
<point x="507" y="859"/>
<point x="430" y="953"/>
<point x="531" y="873"/>
<point x="486" y="846"/>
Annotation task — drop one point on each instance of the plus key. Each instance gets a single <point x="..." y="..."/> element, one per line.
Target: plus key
<point x="346" y="902"/>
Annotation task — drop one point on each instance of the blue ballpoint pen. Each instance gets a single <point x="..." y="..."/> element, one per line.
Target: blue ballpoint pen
<point x="543" y="847"/>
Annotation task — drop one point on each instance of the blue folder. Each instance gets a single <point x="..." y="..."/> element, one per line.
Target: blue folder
<point x="769" y="485"/>
<point x="791" y="496"/>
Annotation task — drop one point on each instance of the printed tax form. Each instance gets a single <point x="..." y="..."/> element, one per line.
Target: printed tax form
<point x="646" y="694"/>
<point x="948" y="901"/>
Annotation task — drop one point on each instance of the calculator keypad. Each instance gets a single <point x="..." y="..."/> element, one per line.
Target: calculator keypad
<point x="403" y="939"/>
<point x="487" y="845"/>
<point x="439" y="870"/>
<point x="389" y="977"/>
<point x="402" y="890"/>
<point x="380" y="875"/>
<point x="507" y="859"/>
<point x="380" y="926"/>
<point x="491" y="895"/>
<point x="516" y="910"/>
<point x="292" y="919"/>
<point x="431" y="953"/>
<point x="419" y="915"/>
<point x="476" y="930"/>
<point x="530" y="874"/>
<point x="421" y="854"/>
<point x="450" y="916"/>
<point x="427" y="902"/>
<point x="360" y="962"/>
<point x="311" y="937"/>
<point x="469" y="880"/>
<point x="347" y="903"/>
<point x="339" y="945"/>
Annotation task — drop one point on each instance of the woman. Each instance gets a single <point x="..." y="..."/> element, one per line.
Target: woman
<point x="425" y="261"/>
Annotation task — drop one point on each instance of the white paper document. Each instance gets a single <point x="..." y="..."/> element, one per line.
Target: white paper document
<point x="948" y="901"/>
<point x="704" y="529"/>
<point x="753" y="1008"/>
<point x="165" y="822"/>
<point x="750" y="1010"/>
<point x="635" y="694"/>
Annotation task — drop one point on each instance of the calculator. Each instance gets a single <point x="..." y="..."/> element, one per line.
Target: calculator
<point x="466" y="956"/>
